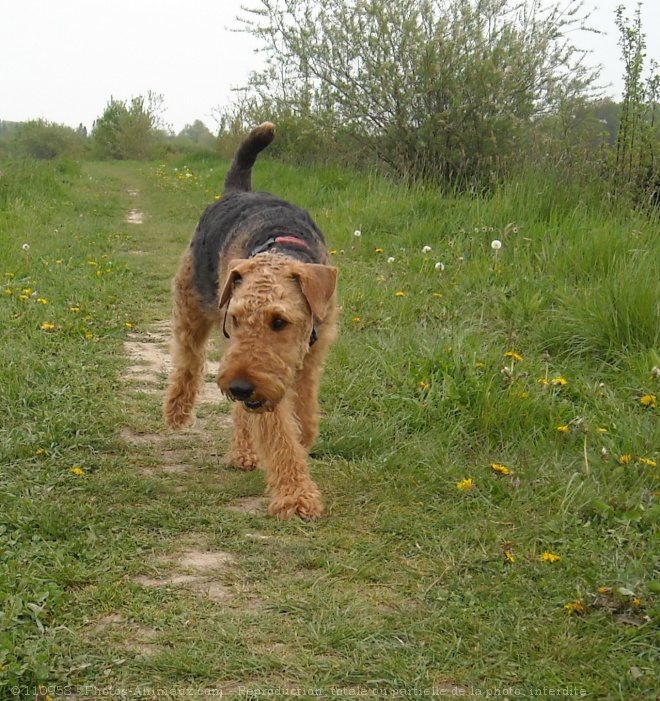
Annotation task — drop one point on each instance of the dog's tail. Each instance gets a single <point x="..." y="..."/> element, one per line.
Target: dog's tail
<point x="239" y="176"/>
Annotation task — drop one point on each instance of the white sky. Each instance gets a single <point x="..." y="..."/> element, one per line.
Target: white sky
<point x="62" y="60"/>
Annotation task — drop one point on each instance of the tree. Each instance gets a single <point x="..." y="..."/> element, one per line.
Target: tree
<point x="128" y="130"/>
<point x="199" y="134"/>
<point x="442" y="89"/>
<point x="637" y="170"/>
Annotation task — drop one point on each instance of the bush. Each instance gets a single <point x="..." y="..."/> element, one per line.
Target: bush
<point x="46" y="141"/>
<point x="442" y="90"/>
<point x="128" y="131"/>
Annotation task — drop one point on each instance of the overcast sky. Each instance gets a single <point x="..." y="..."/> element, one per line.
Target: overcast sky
<point x="62" y="60"/>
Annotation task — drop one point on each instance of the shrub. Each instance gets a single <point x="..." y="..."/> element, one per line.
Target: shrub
<point x="443" y="90"/>
<point x="46" y="140"/>
<point x="128" y="131"/>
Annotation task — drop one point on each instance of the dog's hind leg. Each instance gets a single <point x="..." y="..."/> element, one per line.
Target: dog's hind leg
<point x="241" y="453"/>
<point x="190" y="332"/>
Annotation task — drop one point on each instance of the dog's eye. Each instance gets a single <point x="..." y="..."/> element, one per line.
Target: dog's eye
<point x="277" y="324"/>
<point x="234" y="321"/>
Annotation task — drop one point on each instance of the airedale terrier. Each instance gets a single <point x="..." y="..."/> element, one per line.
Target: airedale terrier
<point x="258" y="267"/>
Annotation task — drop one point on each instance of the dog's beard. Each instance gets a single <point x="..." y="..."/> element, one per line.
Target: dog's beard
<point x="258" y="406"/>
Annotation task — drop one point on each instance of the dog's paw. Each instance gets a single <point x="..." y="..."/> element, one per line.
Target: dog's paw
<point x="307" y="505"/>
<point x="242" y="461"/>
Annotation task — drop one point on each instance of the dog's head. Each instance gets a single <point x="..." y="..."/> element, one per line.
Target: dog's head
<point x="274" y="306"/>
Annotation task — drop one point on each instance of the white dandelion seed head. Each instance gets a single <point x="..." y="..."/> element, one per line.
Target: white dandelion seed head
<point x="357" y="233"/>
<point x="26" y="246"/>
<point x="426" y="249"/>
<point x="439" y="266"/>
<point x="390" y="259"/>
<point x="496" y="245"/>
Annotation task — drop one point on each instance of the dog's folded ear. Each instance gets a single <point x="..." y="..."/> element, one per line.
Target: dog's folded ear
<point x="237" y="268"/>
<point x="318" y="283"/>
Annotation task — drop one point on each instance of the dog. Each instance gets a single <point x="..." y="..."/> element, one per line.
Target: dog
<point x="259" y="268"/>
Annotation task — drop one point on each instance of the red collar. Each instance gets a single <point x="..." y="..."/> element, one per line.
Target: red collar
<point x="274" y="241"/>
<point x="291" y="239"/>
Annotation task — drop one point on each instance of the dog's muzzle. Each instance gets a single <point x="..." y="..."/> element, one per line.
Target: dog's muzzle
<point x="242" y="390"/>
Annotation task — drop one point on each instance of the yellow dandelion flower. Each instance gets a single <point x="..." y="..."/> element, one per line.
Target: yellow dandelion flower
<point x="561" y="381"/>
<point x="128" y="325"/>
<point x="465" y="485"/>
<point x="636" y="601"/>
<point x="424" y="385"/>
<point x="380" y="279"/>
<point x="400" y="294"/>
<point x="625" y="458"/>
<point x="27" y="291"/>
<point x="647" y="461"/>
<point x="40" y="451"/>
<point x="47" y="326"/>
<point x="562" y="429"/>
<point x="357" y="319"/>
<point x="547" y="556"/>
<point x="58" y="261"/>
<point x="378" y="250"/>
<point x="514" y="355"/>
<point x="77" y="471"/>
<point x="480" y="365"/>
<point x="509" y="556"/>
<point x="601" y="430"/>
<point x="437" y="294"/>
<point x="92" y="262"/>
<point x="89" y="335"/>
<point x="333" y="252"/>
<point x="74" y="308"/>
<point x="23" y="297"/>
<point x="575" y="607"/>
<point x="649" y="400"/>
<point x="502" y="469"/>
<point x="7" y="291"/>
<point x="543" y="381"/>
<point x="42" y="300"/>
<point x="604" y="590"/>
<point x="9" y="275"/>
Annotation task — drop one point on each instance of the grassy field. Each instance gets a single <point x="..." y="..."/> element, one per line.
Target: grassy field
<point x="488" y="455"/>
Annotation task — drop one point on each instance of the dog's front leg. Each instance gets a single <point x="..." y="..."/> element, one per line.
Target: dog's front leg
<point x="280" y="451"/>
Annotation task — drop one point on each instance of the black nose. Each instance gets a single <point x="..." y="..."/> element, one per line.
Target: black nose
<point x="241" y="388"/>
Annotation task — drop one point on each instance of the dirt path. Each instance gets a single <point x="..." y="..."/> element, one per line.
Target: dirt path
<point x="190" y="565"/>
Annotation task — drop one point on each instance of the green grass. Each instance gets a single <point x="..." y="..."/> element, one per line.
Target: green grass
<point x="407" y="583"/>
